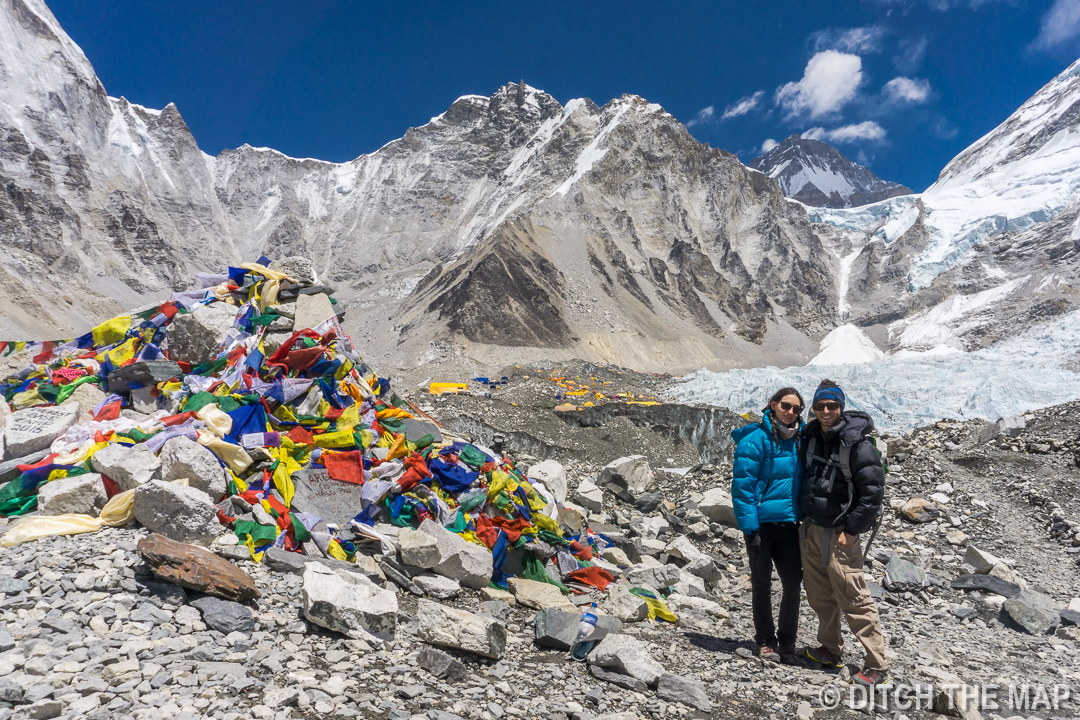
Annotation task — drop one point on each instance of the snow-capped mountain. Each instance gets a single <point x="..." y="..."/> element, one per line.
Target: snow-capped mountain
<point x="815" y="173"/>
<point x="988" y="249"/>
<point x="512" y="227"/>
<point x="509" y="221"/>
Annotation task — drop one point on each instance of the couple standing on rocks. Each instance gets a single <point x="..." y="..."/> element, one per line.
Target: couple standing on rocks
<point x="803" y="494"/>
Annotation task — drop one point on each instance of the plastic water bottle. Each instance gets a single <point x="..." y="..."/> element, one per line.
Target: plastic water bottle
<point x="581" y="647"/>
<point x="587" y="624"/>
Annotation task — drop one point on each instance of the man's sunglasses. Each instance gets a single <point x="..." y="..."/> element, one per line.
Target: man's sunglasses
<point x="831" y="406"/>
<point x="788" y="407"/>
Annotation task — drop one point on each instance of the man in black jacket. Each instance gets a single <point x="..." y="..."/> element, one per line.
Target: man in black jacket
<point x="840" y="497"/>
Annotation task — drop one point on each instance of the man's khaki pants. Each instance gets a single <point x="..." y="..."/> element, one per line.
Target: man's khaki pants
<point x="835" y="584"/>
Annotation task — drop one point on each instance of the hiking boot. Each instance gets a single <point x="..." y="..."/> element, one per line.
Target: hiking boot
<point x="870" y="678"/>
<point x="767" y="652"/>
<point x="822" y="656"/>
<point x="788" y="655"/>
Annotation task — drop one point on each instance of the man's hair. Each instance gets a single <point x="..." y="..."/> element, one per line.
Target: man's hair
<point x="827" y="384"/>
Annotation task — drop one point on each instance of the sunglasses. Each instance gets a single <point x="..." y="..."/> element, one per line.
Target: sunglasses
<point x="788" y="407"/>
<point x="830" y="406"/>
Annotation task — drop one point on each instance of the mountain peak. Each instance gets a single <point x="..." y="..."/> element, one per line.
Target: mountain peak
<point x="816" y="173"/>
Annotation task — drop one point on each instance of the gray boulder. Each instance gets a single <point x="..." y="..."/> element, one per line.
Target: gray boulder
<point x="683" y="689"/>
<point x="284" y="561"/>
<point x="904" y="576"/>
<point x="716" y="505"/>
<point x="1033" y="612"/>
<point x="178" y="512"/>
<point x="418" y="549"/>
<point x="348" y="603"/>
<point x="450" y="627"/>
<point x="184" y="458"/>
<point x="196" y="336"/>
<point x="558" y="629"/>
<point x="441" y="665"/>
<point x="441" y="588"/>
<point x="553" y="475"/>
<point x="629" y="655"/>
<point x="624" y="605"/>
<point x="459" y="559"/>
<point x="589" y="496"/>
<point x="86" y="397"/>
<point x="982" y="561"/>
<point x="79" y="494"/>
<point x="225" y="616"/>
<point x="538" y="595"/>
<point x="128" y="467"/>
<point x="27" y="431"/>
<point x="299" y="269"/>
<point x="632" y="473"/>
<point x="661" y="576"/>
<point x="312" y="311"/>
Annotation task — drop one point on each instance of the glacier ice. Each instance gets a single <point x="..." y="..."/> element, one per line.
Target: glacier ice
<point x="1013" y="377"/>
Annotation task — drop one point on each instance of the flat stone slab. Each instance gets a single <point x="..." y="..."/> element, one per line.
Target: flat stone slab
<point x="441" y="665"/>
<point x="986" y="583"/>
<point x="332" y="500"/>
<point x="451" y="627"/>
<point x="33" y="429"/>
<point x="312" y="311"/>
<point x="9" y="470"/>
<point x="622" y="680"/>
<point x="416" y="429"/>
<point x="143" y="374"/>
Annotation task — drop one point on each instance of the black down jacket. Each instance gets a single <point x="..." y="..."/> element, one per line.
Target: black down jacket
<point x="824" y="506"/>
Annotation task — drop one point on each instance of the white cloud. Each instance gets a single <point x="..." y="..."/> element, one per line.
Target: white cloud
<point x="1060" y="25"/>
<point x="830" y="81"/>
<point x="867" y="131"/>
<point x="743" y="105"/>
<point x="907" y="90"/>
<point x="853" y="40"/>
<point x="768" y="145"/>
<point x="911" y="54"/>
<point x="704" y="115"/>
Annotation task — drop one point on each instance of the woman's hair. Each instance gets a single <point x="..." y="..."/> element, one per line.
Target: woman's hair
<point x="782" y="393"/>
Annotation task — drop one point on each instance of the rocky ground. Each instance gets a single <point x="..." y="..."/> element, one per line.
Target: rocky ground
<point x="89" y="631"/>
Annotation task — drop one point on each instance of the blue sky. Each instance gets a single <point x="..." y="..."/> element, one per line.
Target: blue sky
<point x="901" y="85"/>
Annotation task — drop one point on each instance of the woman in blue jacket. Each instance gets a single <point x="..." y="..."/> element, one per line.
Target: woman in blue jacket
<point x="765" y="494"/>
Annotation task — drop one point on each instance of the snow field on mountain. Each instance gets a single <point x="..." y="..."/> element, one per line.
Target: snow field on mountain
<point x="1015" y="376"/>
<point x="847" y="344"/>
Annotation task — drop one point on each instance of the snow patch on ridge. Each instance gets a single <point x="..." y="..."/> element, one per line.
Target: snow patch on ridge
<point x="592" y="153"/>
<point x="944" y="323"/>
<point x="844" y="345"/>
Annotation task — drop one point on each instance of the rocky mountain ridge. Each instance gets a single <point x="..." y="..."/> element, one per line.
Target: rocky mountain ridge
<point x="508" y="228"/>
<point x="816" y="173"/>
<point x="506" y="222"/>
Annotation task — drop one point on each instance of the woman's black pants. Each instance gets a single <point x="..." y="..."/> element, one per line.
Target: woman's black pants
<point x="780" y="547"/>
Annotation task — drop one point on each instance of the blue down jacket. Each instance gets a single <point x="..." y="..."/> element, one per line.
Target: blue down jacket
<point x="766" y="476"/>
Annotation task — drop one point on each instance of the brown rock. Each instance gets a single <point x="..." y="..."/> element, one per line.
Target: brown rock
<point x="195" y="568"/>
<point x="920" y="510"/>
